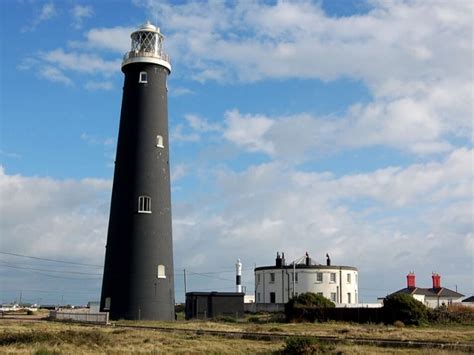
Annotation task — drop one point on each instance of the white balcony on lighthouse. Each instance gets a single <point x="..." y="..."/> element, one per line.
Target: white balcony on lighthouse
<point x="147" y="43"/>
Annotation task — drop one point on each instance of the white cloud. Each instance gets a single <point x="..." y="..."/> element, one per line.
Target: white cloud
<point x="115" y="39"/>
<point x="99" y="85"/>
<point x="79" y="13"/>
<point x="55" y="75"/>
<point x="181" y="91"/>
<point x="413" y="57"/>
<point x="80" y="62"/>
<point x="391" y="220"/>
<point x="249" y="131"/>
<point x="47" y="12"/>
<point x="45" y="217"/>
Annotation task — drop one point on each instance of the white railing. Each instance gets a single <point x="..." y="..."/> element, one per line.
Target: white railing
<point x="134" y="54"/>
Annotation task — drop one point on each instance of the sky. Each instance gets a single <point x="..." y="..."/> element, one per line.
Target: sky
<point x="340" y="127"/>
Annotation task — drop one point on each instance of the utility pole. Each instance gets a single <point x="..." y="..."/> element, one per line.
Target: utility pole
<point x="184" y="284"/>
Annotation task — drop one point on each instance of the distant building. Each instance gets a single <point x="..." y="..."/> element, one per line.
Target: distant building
<point x="431" y="297"/>
<point x="277" y="284"/>
<point x="203" y="305"/>
<point x="468" y="301"/>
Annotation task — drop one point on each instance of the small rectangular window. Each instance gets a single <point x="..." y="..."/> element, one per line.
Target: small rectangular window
<point x="333" y="296"/>
<point x="144" y="204"/>
<point x="272" y="277"/>
<point x="296" y="277"/>
<point x="159" y="142"/>
<point x="348" y="278"/>
<point x="258" y="296"/>
<point x="161" y="272"/>
<point x="319" y="277"/>
<point x="143" y="78"/>
<point x="348" y="297"/>
<point x="258" y="279"/>
<point x="333" y="277"/>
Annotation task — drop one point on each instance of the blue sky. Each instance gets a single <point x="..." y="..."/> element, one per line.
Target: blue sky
<point x="331" y="126"/>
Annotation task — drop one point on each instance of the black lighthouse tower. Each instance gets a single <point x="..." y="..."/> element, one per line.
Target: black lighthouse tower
<point x="138" y="278"/>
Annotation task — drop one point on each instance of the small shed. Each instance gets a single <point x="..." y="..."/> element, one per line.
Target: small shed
<point x="203" y="305"/>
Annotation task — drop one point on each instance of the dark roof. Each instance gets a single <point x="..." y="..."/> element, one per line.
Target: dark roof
<point x="430" y="292"/>
<point x="303" y="266"/>
<point x="215" y="293"/>
<point x="469" y="299"/>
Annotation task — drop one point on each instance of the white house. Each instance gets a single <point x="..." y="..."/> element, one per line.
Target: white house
<point x="431" y="297"/>
<point x="276" y="284"/>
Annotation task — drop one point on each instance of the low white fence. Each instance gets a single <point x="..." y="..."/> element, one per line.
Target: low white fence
<point x="97" y="318"/>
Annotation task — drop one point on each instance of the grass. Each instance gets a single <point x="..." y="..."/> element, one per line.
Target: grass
<point x="64" y="338"/>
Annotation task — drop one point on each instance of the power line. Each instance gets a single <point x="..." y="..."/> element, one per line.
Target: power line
<point x="46" y="259"/>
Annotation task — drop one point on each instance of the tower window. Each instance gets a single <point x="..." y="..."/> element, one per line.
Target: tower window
<point x="144" y="204"/>
<point x="159" y="142"/>
<point x="161" y="272"/>
<point x="333" y="277"/>
<point x="272" y="277"/>
<point x="143" y="78"/>
<point x="348" y="278"/>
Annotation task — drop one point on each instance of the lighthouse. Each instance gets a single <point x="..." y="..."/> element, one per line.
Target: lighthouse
<point x="138" y="280"/>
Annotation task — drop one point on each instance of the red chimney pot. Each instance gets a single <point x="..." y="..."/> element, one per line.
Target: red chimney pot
<point x="436" y="280"/>
<point x="411" y="280"/>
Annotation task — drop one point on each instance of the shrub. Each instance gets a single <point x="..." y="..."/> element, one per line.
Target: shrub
<point x="312" y="300"/>
<point x="404" y="308"/>
<point x="308" y="307"/>
<point x="306" y="345"/>
<point x="454" y="313"/>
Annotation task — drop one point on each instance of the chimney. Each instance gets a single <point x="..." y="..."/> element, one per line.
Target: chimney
<point x="328" y="260"/>
<point x="308" y="259"/>
<point x="278" y="260"/>
<point x="411" y="280"/>
<point x="283" y="262"/>
<point x="436" y="281"/>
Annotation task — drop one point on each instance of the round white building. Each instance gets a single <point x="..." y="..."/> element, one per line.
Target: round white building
<point x="280" y="282"/>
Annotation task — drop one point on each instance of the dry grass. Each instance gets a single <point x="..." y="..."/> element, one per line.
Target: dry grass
<point x="447" y="333"/>
<point x="66" y="338"/>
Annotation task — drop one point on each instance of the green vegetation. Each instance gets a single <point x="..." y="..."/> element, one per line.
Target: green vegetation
<point x="307" y="307"/>
<point x="307" y="345"/>
<point x="404" y="308"/>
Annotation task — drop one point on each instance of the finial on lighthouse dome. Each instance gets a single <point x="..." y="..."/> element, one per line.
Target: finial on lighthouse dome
<point x="147" y="47"/>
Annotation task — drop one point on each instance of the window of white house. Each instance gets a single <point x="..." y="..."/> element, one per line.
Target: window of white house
<point x="333" y="277"/>
<point x="258" y="279"/>
<point x="319" y="277"/>
<point x="272" y="277"/>
<point x="144" y="204"/>
<point x="296" y="277"/>
<point x="161" y="272"/>
<point x="159" y="142"/>
<point x="333" y="296"/>
<point x="258" y="296"/>
<point x="143" y="78"/>
<point x="348" y="278"/>
<point x="348" y="297"/>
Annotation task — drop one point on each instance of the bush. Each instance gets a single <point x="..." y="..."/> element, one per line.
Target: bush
<point x="454" y="313"/>
<point x="404" y="308"/>
<point x="306" y="345"/>
<point x="307" y="307"/>
<point x="311" y="299"/>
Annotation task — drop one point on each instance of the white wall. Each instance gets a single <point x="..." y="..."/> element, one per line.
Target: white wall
<point x="307" y="281"/>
